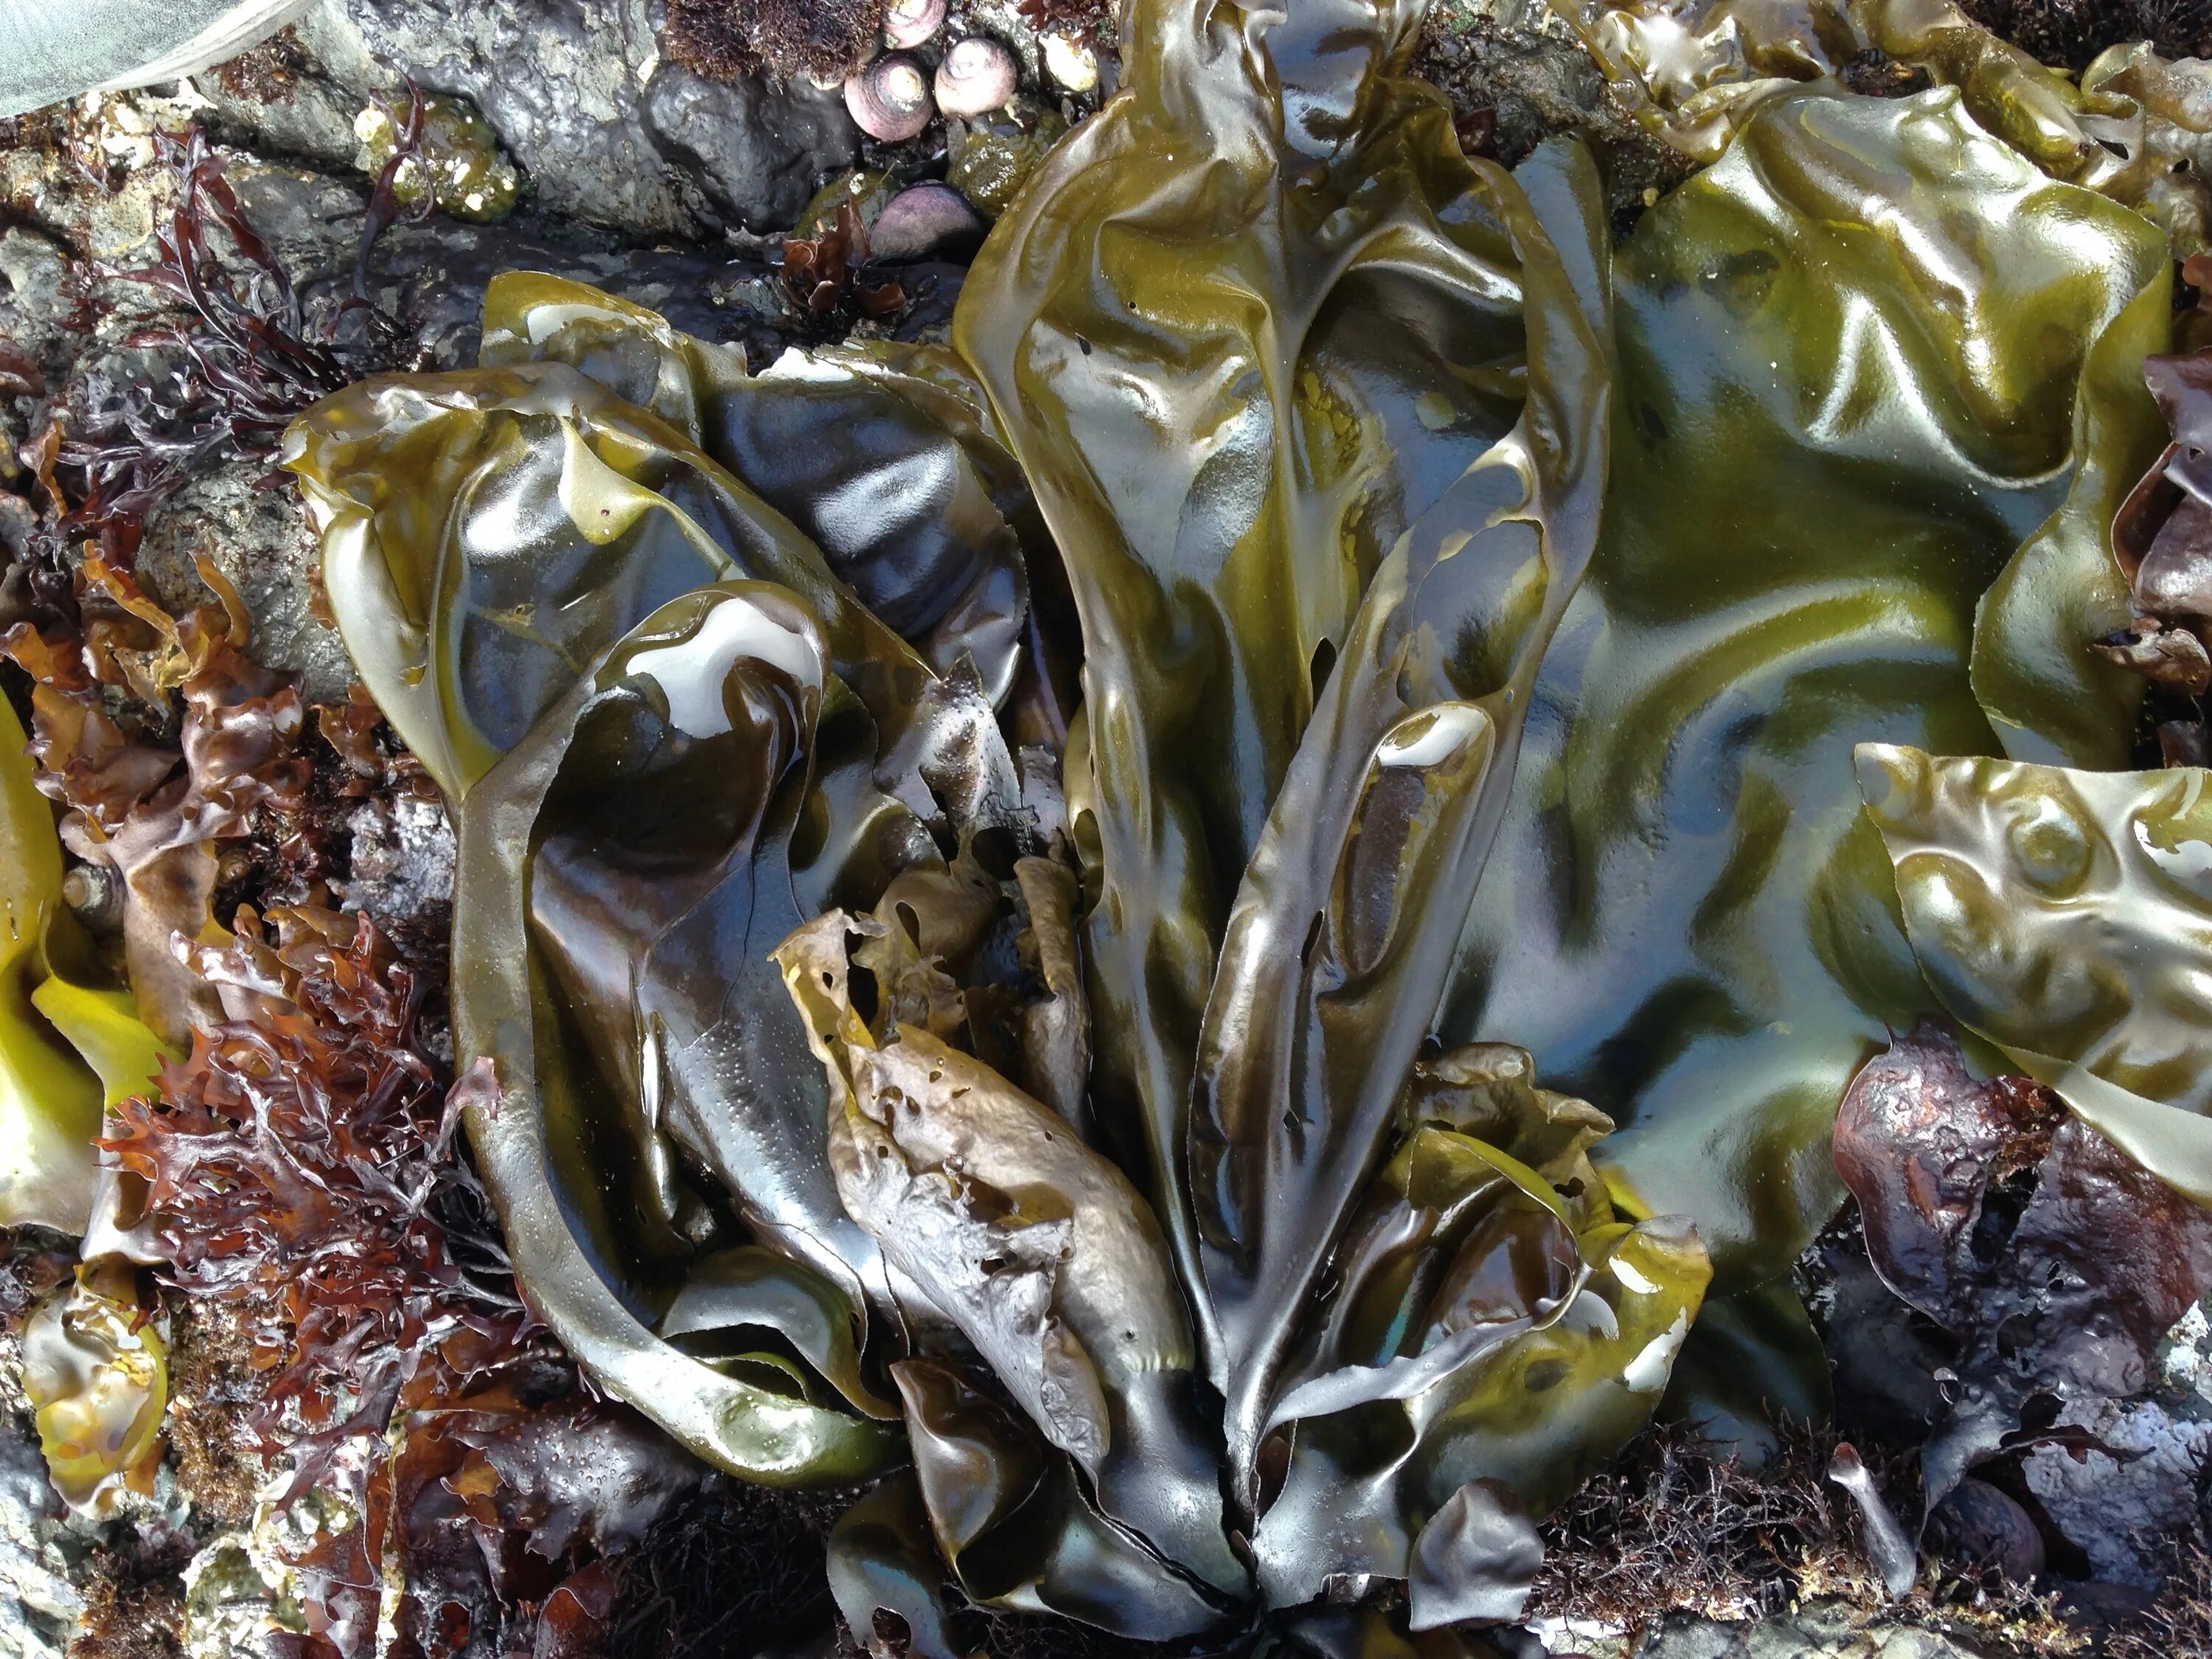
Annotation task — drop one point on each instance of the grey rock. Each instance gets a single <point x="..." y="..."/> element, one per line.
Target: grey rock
<point x="2182" y="1364"/>
<point x="431" y="275"/>
<point x="1816" y="1631"/>
<point x="2116" y="1511"/>
<point x="259" y="540"/>
<point x="1984" y="1525"/>
<point x="34" y="301"/>
<point x="279" y="101"/>
<point x="608" y="130"/>
<point x="758" y="155"/>
<point x="32" y="313"/>
<point x="1517" y="58"/>
<point x="402" y="859"/>
<point x="1693" y="1639"/>
<point x="38" y="1605"/>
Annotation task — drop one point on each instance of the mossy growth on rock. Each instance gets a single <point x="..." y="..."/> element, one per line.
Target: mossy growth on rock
<point x="725" y="40"/>
<point x="2069" y="33"/>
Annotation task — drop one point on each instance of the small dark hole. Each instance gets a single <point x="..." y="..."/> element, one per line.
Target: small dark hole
<point x="860" y="990"/>
<point x="994" y="849"/>
<point x="1324" y="662"/>
<point x="895" y="1635"/>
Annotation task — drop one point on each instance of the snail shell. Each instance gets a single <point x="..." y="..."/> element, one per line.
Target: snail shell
<point x="889" y="100"/>
<point x="908" y="23"/>
<point x="923" y="220"/>
<point x="977" y="76"/>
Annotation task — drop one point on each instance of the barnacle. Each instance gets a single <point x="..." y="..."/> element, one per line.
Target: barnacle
<point x="447" y="155"/>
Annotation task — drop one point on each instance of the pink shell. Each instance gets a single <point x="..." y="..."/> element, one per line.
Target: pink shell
<point x="978" y="76"/>
<point x="889" y="99"/>
<point x="908" y="23"/>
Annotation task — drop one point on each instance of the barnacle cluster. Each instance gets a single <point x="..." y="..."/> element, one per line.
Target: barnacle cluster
<point x="441" y="154"/>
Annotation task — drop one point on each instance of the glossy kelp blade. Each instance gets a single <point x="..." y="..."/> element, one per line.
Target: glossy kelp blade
<point x="1037" y="1248"/>
<point x="1010" y="1518"/>
<point x="2134" y="126"/>
<point x="1340" y="942"/>
<point x="734" y="675"/>
<point x="2067" y="917"/>
<point x="879" y="454"/>
<point x="1492" y="1321"/>
<point x="886" y="1578"/>
<point x="1851" y="357"/>
<point x="1240" y="329"/>
<point x="659" y="868"/>
<point x="488" y="532"/>
<point x="67" y="1045"/>
<point x="49" y="1100"/>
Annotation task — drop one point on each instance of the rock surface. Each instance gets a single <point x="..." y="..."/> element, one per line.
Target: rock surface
<point x="1816" y="1632"/>
<point x="38" y="1605"/>
<point x="610" y="132"/>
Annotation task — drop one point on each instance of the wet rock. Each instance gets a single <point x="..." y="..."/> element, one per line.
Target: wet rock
<point x="278" y="99"/>
<point x="33" y="298"/>
<point x="1884" y="1354"/>
<point x="2116" y="1504"/>
<point x="32" y="318"/>
<point x="608" y="130"/>
<point x="1985" y="1528"/>
<point x="431" y="276"/>
<point x="2183" y="1363"/>
<point x="260" y="542"/>
<point x="38" y="1605"/>
<point x="1816" y="1631"/>
<point x="402" y="859"/>
<point x="1517" y="58"/>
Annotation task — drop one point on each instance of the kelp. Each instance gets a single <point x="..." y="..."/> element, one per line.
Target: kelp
<point x="1494" y="1321"/>
<point x="1685" y="916"/>
<point x="1043" y="1255"/>
<point x="1345" y="925"/>
<point x="69" y="1046"/>
<point x="2064" y="916"/>
<point x="1232" y="387"/>
<point x="916" y="505"/>
<point x="96" y="1376"/>
<point x="2134" y="126"/>
<point x="697" y="686"/>
<point x="1472" y="626"/>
